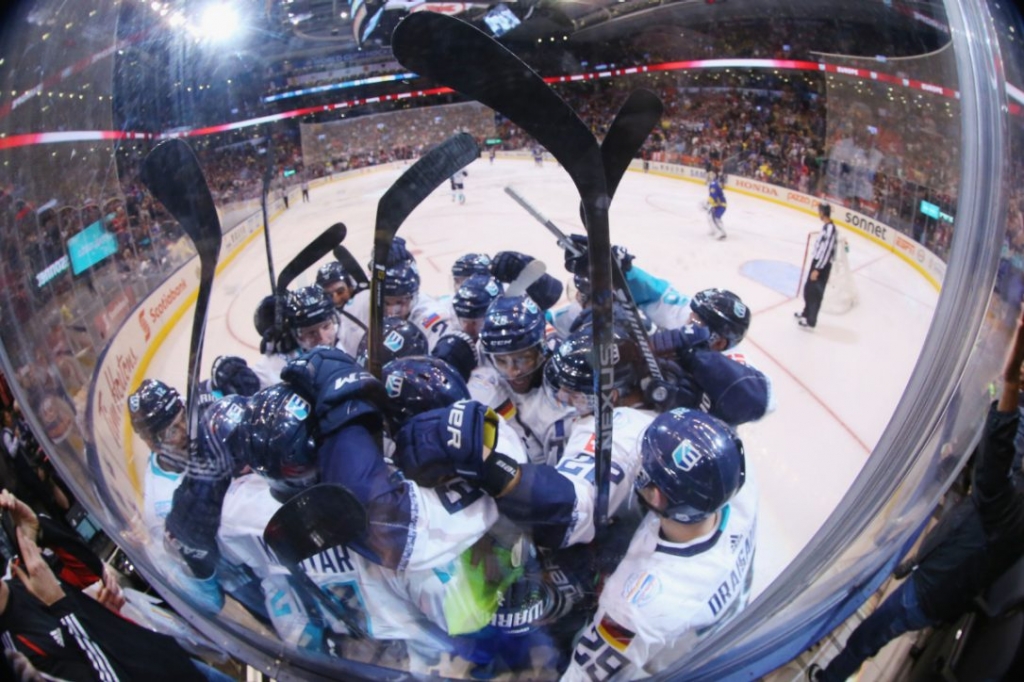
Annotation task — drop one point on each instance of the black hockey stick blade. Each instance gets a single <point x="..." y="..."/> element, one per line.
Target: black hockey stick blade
<point x="408" y="192"/>
<point x="352" y="267"/>
<point x="311" y="253"/>
<point x="320" y="517"/>
<point x="454" y="53"/>
<point x="172" y="174"/>
<point x="633" y="124"/>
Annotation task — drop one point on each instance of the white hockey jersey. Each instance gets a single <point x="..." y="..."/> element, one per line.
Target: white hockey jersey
<point x="432" y="316"/>
<point x="664" y="597"/>
<point x="577" y="465"/>
<point x="541" y="422"/>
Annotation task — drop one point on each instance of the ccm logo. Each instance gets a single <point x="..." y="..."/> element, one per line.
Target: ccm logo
<point x="455" y="418"/>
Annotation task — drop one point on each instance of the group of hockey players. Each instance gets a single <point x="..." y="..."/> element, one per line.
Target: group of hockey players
<point x="473" y="457"/>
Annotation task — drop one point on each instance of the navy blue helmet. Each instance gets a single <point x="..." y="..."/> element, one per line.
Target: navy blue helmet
<point x="220" y="434"/>
<point x="420" y="383"/>
<point x="308" y="306"/>
<point x="277" y="438"/>
<point x="723" y="313"/>
<point x="402" y="279"/>
<point x="512" y="323"/>
<point x="401" y="339"/>
<point x="152" y="408"/>
<point x="475" y="295"/>
<point x="471" y="264"/>
<point x="330" y="273"/>
<point x="570" y="368"/>
<point x="695" y="460"/>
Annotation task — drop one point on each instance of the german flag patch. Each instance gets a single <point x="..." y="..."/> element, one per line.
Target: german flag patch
<point x="507" y="410"/>
<point x="617" y="636"/>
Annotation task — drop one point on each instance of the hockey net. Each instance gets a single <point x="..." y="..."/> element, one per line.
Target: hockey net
<point x="841" y="292"/>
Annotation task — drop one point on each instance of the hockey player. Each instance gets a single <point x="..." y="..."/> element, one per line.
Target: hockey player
<point x="458" y="182"/>
<point x="471" y="301"/>
<point x="513" y="339"/>
<point x="703" y="374"/>
<point x="558" y="500"/>
<point x="401" y="338"/>
<point x="312" y="319"/>
<point x="689" y="566"/>
<point x="402" y="299"/>
<point x="278" y="442"/>
<point x="716" y="206"/>
<point x="336" y="283"/>
<point x="661" y="302"/>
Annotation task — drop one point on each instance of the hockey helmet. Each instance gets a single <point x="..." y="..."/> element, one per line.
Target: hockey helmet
<point x="417" y="384"/>
<point x="332" y="272"/>
<point x="473" y="298"/>
<point x="696" y="461"/>
<point x="512" y="323"/>
<point x="277" y="438"/>
<point x="219" y="434"/>
<point x="470" y="264"/>
<point x="402" y="279"/>
<point x="401" y="339"/>
<point x="152" y="408"/>
<point x="723" y="313"/>
<point x="570" y="369"/>
<point x="308" y="308"/>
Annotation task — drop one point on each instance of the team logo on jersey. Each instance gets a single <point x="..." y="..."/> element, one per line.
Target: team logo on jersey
<point x="394" y="342"/>
<point x="591" y="445"/>
<point x="393" y="385"/>
<point x="133" y="403"/>
<point x="297" y="407"/>
<point x="617" y="636"/>
<point x="641" y="588"/>
<point x="685" y="456"/>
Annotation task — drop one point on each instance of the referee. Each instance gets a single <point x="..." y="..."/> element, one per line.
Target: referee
<point x="821" y="265"/>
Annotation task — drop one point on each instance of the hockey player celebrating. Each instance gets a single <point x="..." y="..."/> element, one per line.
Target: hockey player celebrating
<point x="277" y="344"/>
<point x="656" y="298"/>
<point x="513" y="339"/>
<point x="689" y="566"/>
<point x="467" y="265"/>
<point x="312" y="318"/>
<point x="336" y="283"/>
<point x="703" y="374"/>
<point x="401" y="339"/>
<point x="716" y="206"/>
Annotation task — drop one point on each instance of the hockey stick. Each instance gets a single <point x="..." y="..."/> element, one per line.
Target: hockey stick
<point x="455" y="54"/>
<point x="530" y="273"/>
<point x="318" y="518"/>
<point x="310" y="254"/>
<point x="172" y="174"/>
<point x="268" y="173"/>
<point x="653" y="382"/>
<point x="414" y="185"/>
<point x="352" y="267"/>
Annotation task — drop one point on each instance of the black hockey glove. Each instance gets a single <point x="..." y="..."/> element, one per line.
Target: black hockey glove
<point x="683" y="389"/>
<point x="580" y="265"/>
<point x="231" y="375"/>
<point x="398" y="253"/>
<point x="680" y="344"/>
<point x="340" y="390"/>
<point x="441" y="444"/>
<point x="507" y="265"/>
<point x="459" y="351"/>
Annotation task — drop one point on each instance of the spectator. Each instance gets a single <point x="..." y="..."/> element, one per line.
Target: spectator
<point x="971" y="546"/>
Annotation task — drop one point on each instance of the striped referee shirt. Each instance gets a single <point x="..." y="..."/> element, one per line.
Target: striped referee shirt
<point x="824" y="247"/>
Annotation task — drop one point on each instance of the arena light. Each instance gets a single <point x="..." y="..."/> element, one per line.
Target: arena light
<point x="219" y="22"/>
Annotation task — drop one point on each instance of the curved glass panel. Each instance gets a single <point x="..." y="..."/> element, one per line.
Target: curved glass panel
<point x="903" y="117"/>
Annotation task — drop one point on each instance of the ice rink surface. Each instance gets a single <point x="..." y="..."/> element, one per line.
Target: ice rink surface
<point x="835" y="387"/>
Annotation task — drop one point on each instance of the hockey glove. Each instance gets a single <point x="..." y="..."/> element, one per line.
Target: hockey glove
<point x="459" y="351"/>
<point x="231" y="375"/>
<point x="580" y="265"/>
<point x="441" y="444"/>
<point x="340" y="390"/>
<point x="680" y="344"/>
<point x="507" y="265"/>
<point x="398" y="253"/>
